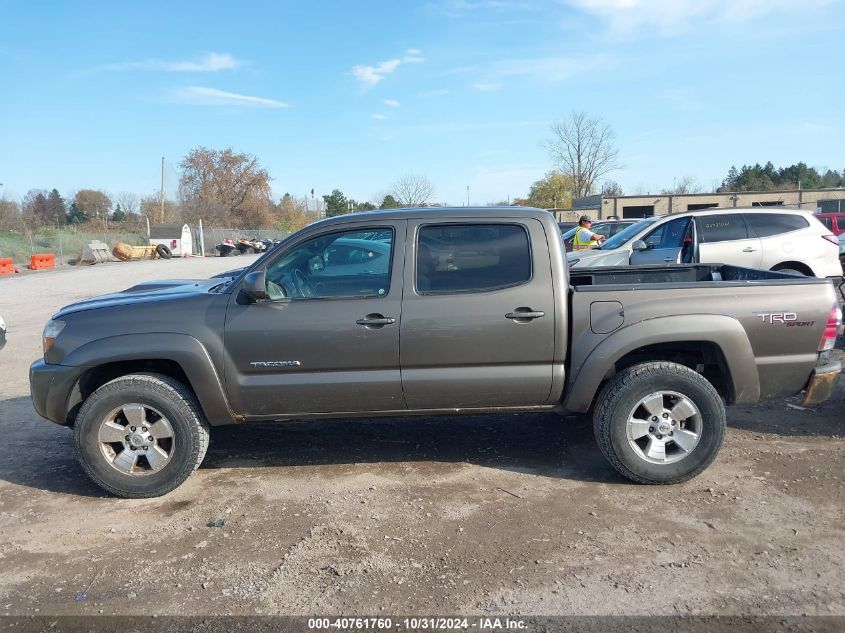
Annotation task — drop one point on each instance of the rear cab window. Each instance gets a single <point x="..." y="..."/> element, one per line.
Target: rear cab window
<point x="460" y="258"/>
<point x="722" y="228"/>
<point x="768" y="224"/>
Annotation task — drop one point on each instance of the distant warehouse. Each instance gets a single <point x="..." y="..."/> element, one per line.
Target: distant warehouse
<point x="643" y="206"/>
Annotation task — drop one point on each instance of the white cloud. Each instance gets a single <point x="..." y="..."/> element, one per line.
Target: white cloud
<point x="676" y="16"/>
<point x="392" y="103"/>
<point x="208" y="63"/>
<point x="369" y="76"/>
<point x="378" y="117"/>
<point x="198" y="95"/>
<point x="487" y="87"/>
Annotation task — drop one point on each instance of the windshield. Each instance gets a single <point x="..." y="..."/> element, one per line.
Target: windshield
<point x="627" y="234"/>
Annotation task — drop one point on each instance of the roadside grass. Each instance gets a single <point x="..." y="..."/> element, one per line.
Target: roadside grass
<point x="65" y="245"/>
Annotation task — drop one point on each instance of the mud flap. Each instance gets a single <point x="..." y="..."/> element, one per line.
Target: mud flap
<point x="822" y="383"/>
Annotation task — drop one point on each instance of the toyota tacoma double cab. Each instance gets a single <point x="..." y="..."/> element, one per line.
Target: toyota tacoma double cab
<point x="431" y="311"/>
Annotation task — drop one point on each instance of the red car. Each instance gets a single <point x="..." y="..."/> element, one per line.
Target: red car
<point x="834" y="221"/>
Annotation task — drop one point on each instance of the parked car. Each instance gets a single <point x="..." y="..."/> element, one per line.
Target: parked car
<point x="490" y="320"/>
<point x="2" y="333"/>
<point x="841" y="238"/>
<point x="608" y="228"/>
<point x="783" y="240"/>
<point x="833" y="221"/>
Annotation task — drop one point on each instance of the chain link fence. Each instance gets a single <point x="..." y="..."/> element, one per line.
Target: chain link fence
<point x="65" y="245"/>
<point x="213" y="237"/>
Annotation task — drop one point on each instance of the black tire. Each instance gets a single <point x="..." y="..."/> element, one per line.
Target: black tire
<point x="622" y="393"/>
<point x="175" y="401"/>
<point x="164" y="251"/>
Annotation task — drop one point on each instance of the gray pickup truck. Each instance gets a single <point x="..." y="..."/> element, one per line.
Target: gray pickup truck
<point x="431" y="311"/>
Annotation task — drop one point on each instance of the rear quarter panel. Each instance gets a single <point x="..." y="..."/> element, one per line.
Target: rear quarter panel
<point x="784" y="351"/>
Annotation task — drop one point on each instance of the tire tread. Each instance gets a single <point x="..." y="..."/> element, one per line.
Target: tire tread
<point x="170" y="388"/>
<point x="615" y="389"/>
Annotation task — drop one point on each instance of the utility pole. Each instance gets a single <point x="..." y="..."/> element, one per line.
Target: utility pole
<point x="467" y="195"/>
<point x="161" y="192"/>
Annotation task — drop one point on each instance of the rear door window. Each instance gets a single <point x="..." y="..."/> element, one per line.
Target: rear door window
<point x="455" y="258"/>
<point x="723" y="228"/>
<point x="668" y="235"/>
<point x="768" y="224"/>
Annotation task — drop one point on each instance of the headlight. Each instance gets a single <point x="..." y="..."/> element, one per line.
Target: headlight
<point x="51" y="333"/>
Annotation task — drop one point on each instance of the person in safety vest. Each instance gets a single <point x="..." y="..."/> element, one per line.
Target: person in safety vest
<point x="584" y="238"/>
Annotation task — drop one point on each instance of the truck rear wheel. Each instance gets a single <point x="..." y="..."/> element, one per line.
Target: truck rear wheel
<point x="659" y="423"/>
<point x="140" y="435"/>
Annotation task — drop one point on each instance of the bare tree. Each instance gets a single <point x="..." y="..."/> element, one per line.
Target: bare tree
<point x="412" y="191"/>
<point x="10" y="214"/>
<point x="150" y="207"/>
<point x="685" y="184"/>
<point x="611" y="188"/>
<point x="128" y="201"/>
<point x="583" y="149"/>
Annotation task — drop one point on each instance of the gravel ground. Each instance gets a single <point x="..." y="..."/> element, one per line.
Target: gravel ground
<point x="492" y="514"/>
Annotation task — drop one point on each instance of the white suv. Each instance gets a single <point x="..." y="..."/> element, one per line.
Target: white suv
<point x="788" y="240"/>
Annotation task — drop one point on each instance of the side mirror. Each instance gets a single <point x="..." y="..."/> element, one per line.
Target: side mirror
<point x="255" y="286"/>
<point x="639" y="245"/>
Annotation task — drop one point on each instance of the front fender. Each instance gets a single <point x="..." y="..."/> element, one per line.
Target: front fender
<point x="725" y="332"/>
<point x="182" y="349"/>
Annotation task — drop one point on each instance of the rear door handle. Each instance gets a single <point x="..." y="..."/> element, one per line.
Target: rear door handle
<point x="376" y="320"/>
<point x="748" y="249"/>
<point x="667" y="259"/>
<point x="524" y="314"/>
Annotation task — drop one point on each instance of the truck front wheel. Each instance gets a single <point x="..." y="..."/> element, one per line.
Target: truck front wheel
<point x="659" y="423"/>
<point x="140" y="435"/>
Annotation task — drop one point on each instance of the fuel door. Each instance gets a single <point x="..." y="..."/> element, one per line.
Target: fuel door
<point x="606" y="316"/>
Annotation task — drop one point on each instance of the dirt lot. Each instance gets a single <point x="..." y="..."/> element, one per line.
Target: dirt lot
<point x="507" y="514"/>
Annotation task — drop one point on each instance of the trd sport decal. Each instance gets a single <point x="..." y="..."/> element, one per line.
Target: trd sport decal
<point x="788" y="319"/>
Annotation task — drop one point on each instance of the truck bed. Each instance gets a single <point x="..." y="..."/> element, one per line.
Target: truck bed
<point x="680" y="274"/>
<point x="770" y="323"/>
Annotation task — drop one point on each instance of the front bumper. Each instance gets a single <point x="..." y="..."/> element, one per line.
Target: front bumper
<point x="51" y="387"/>
<point x="822" y="383"/>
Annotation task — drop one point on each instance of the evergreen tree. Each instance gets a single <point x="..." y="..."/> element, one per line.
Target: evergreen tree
<point x="336" y="203"/>
<point x="75" y="215"/>
<point x="389" y="202"/>
<point x="56" y="207"/>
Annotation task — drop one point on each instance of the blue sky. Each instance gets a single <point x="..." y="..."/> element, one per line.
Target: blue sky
<point x="353" y="94"/>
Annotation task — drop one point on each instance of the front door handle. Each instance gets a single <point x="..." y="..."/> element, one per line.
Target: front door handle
<point x="524" y="315"/>
<point x="748" y="249"/>
<point x="667" y="259"/>
<point x="375" y="321"/>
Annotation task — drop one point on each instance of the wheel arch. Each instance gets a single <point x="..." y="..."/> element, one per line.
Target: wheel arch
<point x="804" y="268"/>
<point x="179" y="356"/>
<point x="718" y="342"/>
